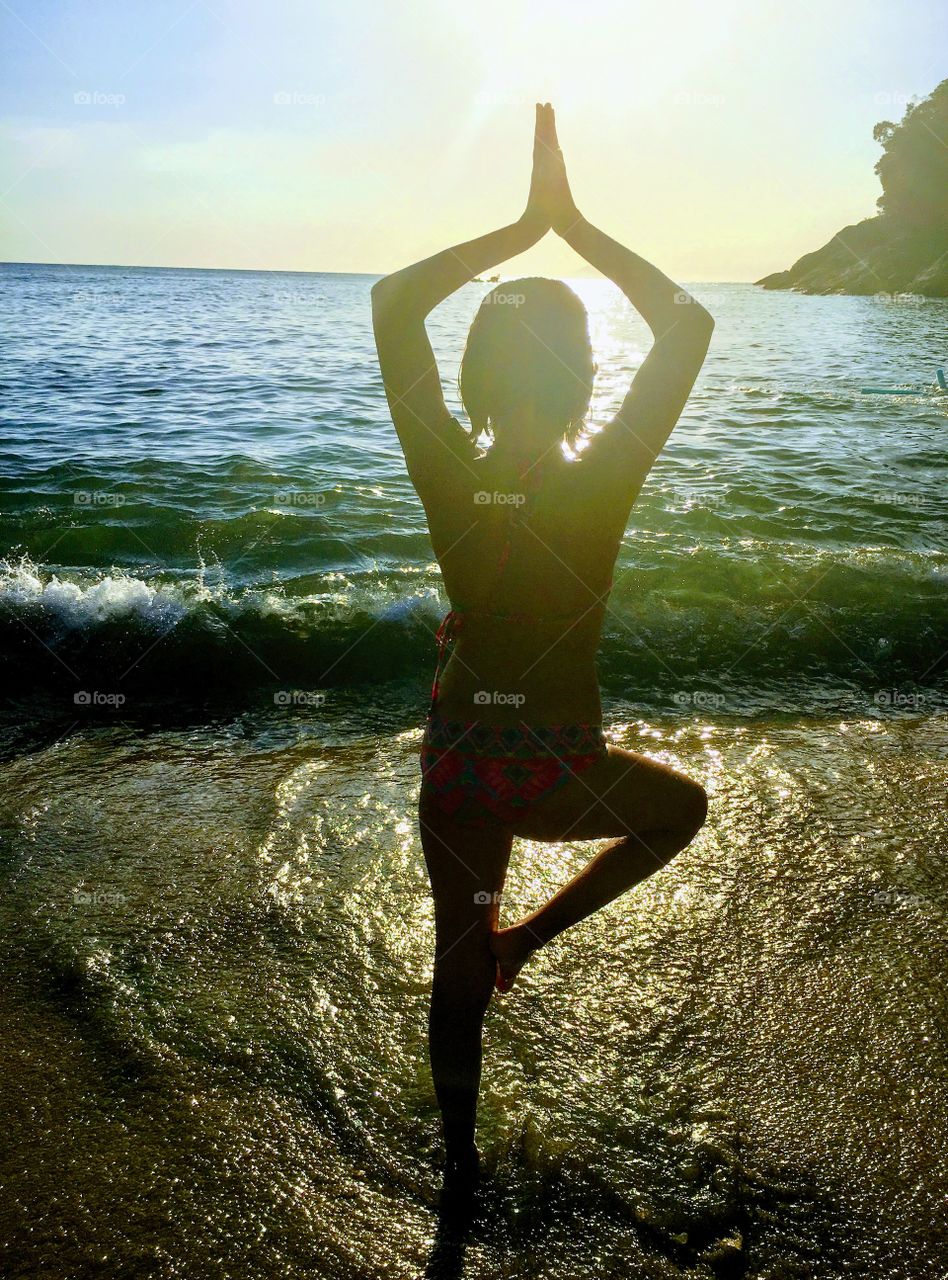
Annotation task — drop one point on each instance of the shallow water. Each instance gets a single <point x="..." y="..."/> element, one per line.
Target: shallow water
<point x="216" y="925"/>
<point x="219" y="946"/>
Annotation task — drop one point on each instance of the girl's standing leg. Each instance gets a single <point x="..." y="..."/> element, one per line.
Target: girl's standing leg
<point x="467" y="867"/>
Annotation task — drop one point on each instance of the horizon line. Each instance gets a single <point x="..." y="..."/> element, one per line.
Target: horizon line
<point x="286" y="271"/>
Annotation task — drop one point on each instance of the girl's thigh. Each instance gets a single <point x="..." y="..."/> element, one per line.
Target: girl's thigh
<point x="621" y="794"/>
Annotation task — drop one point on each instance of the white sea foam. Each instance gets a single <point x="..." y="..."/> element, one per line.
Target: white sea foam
<point x="98" y="599"/>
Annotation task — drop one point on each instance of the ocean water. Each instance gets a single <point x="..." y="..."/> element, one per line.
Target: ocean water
<point x="217" y="607"/>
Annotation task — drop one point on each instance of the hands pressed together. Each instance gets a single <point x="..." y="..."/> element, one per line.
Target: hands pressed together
<point x="550" y="203"/>
<point x="402" y="301"/>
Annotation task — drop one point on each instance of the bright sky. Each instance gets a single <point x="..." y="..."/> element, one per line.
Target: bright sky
<point x="721" y="140"/>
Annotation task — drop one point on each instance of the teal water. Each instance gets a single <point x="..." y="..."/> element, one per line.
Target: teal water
<point x="207" y="456"/>
<point x="217" y="608"/>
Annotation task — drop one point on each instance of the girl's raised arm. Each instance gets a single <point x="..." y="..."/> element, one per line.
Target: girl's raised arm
<point x="628" y="445"/>
<point x="626" y="448"/>
<point x="432" y="440"/>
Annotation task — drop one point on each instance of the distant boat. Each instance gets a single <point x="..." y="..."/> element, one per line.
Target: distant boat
<point x="492" y="279"/>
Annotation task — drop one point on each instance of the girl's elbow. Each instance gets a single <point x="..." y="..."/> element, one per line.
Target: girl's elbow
<point x="392" y="294"/>
<point x="702" y="317"/>
<point x="383" y="291"/>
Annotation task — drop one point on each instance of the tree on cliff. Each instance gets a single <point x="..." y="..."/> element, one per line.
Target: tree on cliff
<point x="913" y="167"/>
<point x="904" y="248"/>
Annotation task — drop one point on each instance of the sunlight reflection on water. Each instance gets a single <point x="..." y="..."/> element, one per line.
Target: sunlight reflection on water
<point x="709" y="1060"/>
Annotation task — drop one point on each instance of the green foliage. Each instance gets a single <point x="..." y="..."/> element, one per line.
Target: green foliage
<point x="913" y="167"/>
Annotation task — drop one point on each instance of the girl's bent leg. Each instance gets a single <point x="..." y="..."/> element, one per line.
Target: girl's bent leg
<point x="655" y="812"/>
<point x="612" y="872"/>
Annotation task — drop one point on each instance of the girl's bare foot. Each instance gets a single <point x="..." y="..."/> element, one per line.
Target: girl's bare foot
<point x="512" y="948"/>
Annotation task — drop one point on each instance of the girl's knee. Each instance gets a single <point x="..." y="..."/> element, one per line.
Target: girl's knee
<point x="462" y="995"/>
<point x="692" y="806"/>
<point x="464" y="965"/>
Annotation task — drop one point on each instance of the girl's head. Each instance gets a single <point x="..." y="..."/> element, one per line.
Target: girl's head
<point x="527" y="372"/>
